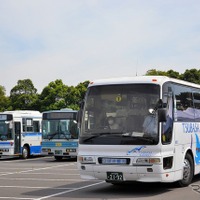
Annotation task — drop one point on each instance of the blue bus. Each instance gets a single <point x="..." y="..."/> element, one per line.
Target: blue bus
<point x="20" y="133"/>
<point x="60" y="133"/>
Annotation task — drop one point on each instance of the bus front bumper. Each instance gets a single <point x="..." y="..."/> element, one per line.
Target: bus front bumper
<point x="110" y="173"/>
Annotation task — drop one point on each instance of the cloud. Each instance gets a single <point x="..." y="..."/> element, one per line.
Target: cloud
<point x="80" y="40"/>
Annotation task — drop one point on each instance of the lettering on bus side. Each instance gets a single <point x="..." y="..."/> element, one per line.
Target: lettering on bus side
<point x="197" y="157"/>
<point x="191" y="127"/>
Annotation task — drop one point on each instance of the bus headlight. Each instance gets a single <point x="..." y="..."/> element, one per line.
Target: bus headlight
<point x="86" y="159"/>
<point x="151" y="161"/>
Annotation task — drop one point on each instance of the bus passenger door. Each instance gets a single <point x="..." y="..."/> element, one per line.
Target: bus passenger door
<point x="17" y="138"/>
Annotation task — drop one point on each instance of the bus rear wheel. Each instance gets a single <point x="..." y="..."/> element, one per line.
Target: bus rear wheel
<point x="25" y="152"/>
<point x="188" y="171"/>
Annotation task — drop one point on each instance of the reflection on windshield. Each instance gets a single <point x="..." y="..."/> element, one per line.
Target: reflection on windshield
<point x="120" y="113"/>
<point x="5" y="131"/>
<point x="59" y="129"/>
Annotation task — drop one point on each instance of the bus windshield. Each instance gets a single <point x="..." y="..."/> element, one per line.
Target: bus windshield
<point x="120" y="114"/>
<point x="5" y="130"/>
<point x="59" y="129"/>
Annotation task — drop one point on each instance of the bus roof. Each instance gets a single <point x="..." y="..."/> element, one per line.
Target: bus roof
<point x="61" y="110"/>
<point x="24" y="113"/>
<point x="140" y="79"/>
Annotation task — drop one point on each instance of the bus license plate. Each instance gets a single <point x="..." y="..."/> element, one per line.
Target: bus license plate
<point x="115" y="176"/>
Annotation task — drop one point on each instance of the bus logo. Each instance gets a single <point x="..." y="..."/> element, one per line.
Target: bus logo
<point x="118" y="99"/>
<point x="58" y="144"/>
<point x="136" y="150"/>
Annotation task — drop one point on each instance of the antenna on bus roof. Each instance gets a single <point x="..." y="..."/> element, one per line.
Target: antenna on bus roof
<point x="136" y="67"/>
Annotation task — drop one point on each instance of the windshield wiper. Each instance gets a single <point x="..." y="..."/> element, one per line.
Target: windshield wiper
<point x="3" y="138"/>
<point x="96" y="135"/>
<point x="51" y="136"/>
<point x="149" y="139"/>
<point x="139" y="137"/>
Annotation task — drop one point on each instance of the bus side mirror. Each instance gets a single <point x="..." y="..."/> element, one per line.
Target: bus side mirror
<point x="79" y="116"/>
<point x="80" y="113"/>
<point x="162" y="115"/>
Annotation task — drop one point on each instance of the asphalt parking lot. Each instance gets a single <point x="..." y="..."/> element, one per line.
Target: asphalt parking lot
<point x="44" y="178"/>
<point x="39" y="178"/>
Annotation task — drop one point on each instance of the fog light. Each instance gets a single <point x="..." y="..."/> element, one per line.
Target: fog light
<point x="86" y="159"/>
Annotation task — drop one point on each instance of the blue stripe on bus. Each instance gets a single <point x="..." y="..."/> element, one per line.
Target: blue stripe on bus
<point x="5" y="143"/>
<point x="34" y="150"/>
<point x="63" y="144"/>
<point x="31" y="134"/>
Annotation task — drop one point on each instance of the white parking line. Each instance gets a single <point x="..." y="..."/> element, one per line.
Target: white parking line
<point x="16" y="198"/>
<point x="29" y="187"/>
<point x="15" y="168"/>
<point x="68" y="191"/>
<point x="31" y="170"/>
<point x="24" y="160"/>
<point x="53" y="173"/>
<point x="42" y="179"/>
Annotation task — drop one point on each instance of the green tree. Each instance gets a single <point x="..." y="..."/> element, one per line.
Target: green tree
<point x="53" y="96"/>
<point x="192" y="75"/>
<point x="4" y="101"/>
<point x="170" y="73"/>
<point x="173" y="74"/>
<point x="154" y="72"/>
<point x="75" y="95"/>
<point x="24" y="96"/>
<point x="57" y="96"/>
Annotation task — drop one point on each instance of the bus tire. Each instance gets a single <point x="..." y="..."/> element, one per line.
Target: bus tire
<point x="25" y="152"/>
<point x="188" y="171"/>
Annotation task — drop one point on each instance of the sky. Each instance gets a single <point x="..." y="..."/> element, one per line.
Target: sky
<point x="79" y="40"/>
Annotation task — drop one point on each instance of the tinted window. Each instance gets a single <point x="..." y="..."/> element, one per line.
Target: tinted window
<point x="183" y="103"/>
<point x="36" y="126"/>
<point x="121" y="114"/>
<point x="27" y="125"/>
<point x="196" y="96"/>
<point x="167" y="127"/>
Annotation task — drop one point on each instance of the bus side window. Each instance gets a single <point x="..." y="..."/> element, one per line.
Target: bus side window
<point x="27" y="124"/>
<point x="196" y="96"/>
<point x="184" y="103"/>
<point x="17" y="128"/>
<point x="167" y="127"/>
<point x="36" y="126"/>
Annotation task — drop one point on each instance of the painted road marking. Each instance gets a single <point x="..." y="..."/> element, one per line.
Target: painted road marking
<point x="68" y="191"/>
<point x="31" y="170"/>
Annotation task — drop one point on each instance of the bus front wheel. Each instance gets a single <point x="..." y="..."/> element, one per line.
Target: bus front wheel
<point x="188" y="171"/>
<point x="25" y="152"/>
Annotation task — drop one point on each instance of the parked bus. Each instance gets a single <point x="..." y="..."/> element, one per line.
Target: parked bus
<point x="59" y="133"/>
<point x="20" y="133"/>
<point x="158" y="134"/>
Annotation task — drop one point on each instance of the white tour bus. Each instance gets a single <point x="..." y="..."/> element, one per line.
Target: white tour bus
<point x="156" y="137"/>
<point x="59" y="133"/>
<point x="20" y="133"/>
